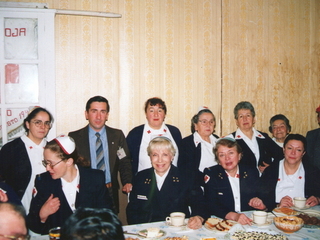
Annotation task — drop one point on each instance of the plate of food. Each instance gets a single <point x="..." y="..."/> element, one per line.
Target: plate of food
<point x="284" y="211"/>
<point x="257" y="235"/>
<point x="152" y="233"/>
<point x="219" y="225"/>
<point x="310" y="221"/>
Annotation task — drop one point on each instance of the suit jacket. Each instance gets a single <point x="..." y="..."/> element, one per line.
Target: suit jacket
<point x="148" y="204"/>
<point x="189" y="159"/>
<point x="218" y="191"/>
<point x="268" y="150"/>
<point x="12" y="196"/>
<point x="269" y="181"/>
<point x="92" y="193"/>
<point x="313" y="147"/>
<point x="116" y="140"/>
<point x="15" y="166"/>
<point x="134" y="139"/>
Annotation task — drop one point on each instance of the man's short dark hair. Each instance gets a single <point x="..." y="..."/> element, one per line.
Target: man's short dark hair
<point x="92" y="224"/>
<point x="97" y="99"/>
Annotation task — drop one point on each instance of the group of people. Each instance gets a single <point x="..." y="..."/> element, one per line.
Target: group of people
<point x="200" y="175"/>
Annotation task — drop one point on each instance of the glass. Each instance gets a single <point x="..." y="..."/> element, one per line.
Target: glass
<point x="46" y="163"/>
<point x="205" y="122"/>
<point x="39" y="123"/>
<point x="23" y="237"/>
<point x="54" y="233"/>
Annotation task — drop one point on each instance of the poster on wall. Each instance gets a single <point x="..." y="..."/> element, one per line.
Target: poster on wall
<point x="14" y="122"/>
<point x="21" y="38"/>
<point x="21" y="83"/>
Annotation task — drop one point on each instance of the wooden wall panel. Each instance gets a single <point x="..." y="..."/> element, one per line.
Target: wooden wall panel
<point x="268" y="54"/>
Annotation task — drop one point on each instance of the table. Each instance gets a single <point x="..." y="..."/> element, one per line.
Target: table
<point x="304" y="233"/>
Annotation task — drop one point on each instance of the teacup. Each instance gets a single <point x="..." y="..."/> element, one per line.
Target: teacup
<point x="260" y="217"/>
<point x="299" y="202"/>
<point x="176" y="219"/>
<point x="54" y="233"/>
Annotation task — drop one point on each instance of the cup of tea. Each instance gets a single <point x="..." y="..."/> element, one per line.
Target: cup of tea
<point x="260" y="217"/>
<point x="299" y="202"/>
<point x="176" y="219"/>
<point x="54" y="233"/>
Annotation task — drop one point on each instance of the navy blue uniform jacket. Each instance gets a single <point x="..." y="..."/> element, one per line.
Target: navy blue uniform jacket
<point x="189" y="159"/>
<point x="218" y="191"/>
<point x="148" y="204"/>
<point x="268" y="150"/>
<point x="134" y="139"/>
<point x="92" y="193"/>
<point x="15" y="166"/>
<point x="270" y="177"/>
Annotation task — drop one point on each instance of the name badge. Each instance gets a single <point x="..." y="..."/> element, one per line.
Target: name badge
<point x="142" y="197"/>
<point x="121" y="153"/>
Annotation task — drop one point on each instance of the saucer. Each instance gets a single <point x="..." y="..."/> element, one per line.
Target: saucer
<point x="170" y="225"/>
<point x="266" y="224"/>
<point x="304" y="208"/>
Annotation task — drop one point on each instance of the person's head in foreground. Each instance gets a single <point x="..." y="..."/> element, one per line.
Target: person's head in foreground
<point x="93" y="224"/>
<point x="12" y="222"/>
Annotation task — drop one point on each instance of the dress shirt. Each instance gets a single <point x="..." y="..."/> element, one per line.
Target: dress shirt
<point x="35" y="153"/>
<point x="235" y="186"/>
<point x="290" y="185"/>
<point x="160" y="179"/>
<point x="70" y="189"/>
<point x="93" y="154"/>
<point x="279" y="144"/>
<point x="207" y="156"/>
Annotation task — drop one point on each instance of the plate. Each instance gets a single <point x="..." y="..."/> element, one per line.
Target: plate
<point x="226" y="225"/>
<point x="268" y="223"/>
<point x="144" y="233"/>
<point x="170" y="225"/>
<point x="311" y="212"/>
<point x="284" y="211"/>
<point x="299" y="209"/>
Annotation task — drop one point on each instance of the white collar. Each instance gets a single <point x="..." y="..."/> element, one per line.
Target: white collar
<point x="241" y="135"/>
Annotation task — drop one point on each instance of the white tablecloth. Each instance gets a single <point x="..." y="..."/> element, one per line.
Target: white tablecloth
<point x="304" y="233"/>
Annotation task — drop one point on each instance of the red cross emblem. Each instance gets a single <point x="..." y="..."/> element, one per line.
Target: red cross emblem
<point x="206" y="178"/>
<point x="149" y="131"/>
<point x="30" y="147"/>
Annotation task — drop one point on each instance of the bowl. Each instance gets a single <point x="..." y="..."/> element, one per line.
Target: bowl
<point x="288" y="224"/>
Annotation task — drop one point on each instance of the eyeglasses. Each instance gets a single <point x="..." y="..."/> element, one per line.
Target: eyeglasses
<point x="22" y="237"/>
<point x="46" y="163"/>
<point x="39" y="123"/>
<point x="205" y="122"/>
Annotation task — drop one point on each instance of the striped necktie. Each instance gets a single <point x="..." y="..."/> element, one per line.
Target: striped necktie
<point x="100" y="153"/>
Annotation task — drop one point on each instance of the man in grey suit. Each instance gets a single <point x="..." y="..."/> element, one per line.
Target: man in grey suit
<point x="313" y="143"/>
<point x="106" y="148"/>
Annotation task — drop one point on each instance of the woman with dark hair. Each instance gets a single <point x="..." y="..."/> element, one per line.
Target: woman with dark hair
<point x="139" y="137"/>
<point x="94" y="224"/>
<point x="279" y="127"/>
<point x="291" y="177"/>
<point x="196" y="149"/>
<point x="259" y="150"/>
<point x="231" y="188"/>
<point x="20" y="159"/>
<point x="64" y="187"/>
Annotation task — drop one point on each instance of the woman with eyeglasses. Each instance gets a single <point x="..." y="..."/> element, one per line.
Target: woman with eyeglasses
<point x="20" y="159"/>
<point x="65" y="187"/>
<point x="196" y="149"/>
